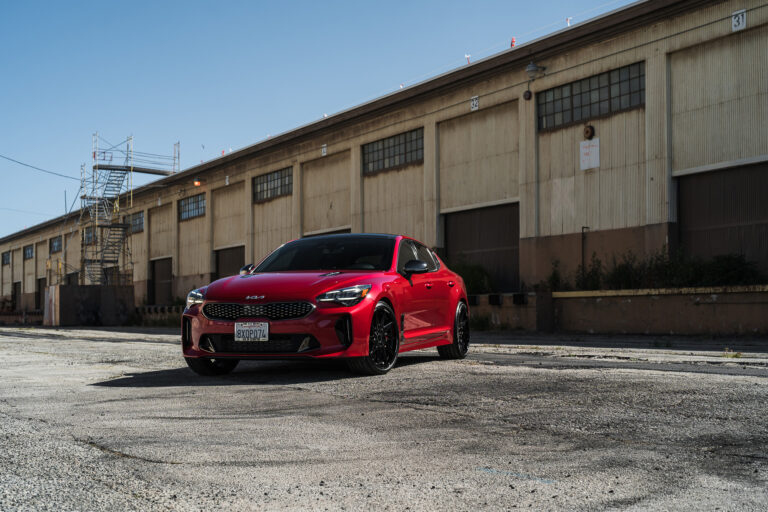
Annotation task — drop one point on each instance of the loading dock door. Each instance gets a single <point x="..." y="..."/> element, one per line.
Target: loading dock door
<point x="16" y="296"/>
<point x="39" y="293"/>
<point x="725" y="212"/>
<point x="489" y="237"/>
<point x="161" y="287"/>
<point x="229" y="261"/>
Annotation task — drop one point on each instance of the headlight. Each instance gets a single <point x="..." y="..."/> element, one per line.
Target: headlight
<point x="346" y="296"/>
<point x="194" y="297"/>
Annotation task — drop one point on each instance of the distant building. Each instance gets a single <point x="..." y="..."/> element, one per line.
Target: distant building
<point x="644" y="129"/>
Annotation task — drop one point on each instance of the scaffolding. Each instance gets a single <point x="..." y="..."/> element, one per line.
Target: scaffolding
<point x="107" y="188"/>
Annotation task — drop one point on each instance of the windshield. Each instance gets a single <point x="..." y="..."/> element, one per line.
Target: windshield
<point x="331" y="253"/>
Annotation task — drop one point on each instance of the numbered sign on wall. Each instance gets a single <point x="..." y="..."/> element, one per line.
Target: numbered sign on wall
<point x="739" y="20"/>
<point x="474" y="103"/>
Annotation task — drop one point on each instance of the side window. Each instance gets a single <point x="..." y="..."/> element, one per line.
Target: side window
<point x="405" y="253"/>
<point x="424" y="254"/>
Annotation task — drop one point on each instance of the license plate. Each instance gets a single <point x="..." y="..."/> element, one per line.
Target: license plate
<point x="251" y="331"/>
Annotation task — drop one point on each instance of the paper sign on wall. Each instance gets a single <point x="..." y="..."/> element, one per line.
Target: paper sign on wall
<point x="589" y="154"/>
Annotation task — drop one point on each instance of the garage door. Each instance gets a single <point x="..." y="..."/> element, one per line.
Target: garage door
<point x="490" y="238"/>
<point x="161" y="289"/>
<point x="229" y="261"/>
<point x="725" y="212"/>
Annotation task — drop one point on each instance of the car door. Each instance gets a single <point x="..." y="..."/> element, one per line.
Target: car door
<point x="437" y="291"/>
<point x="420" y="313"/>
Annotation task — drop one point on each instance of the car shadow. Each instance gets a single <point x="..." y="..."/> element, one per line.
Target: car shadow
<point x="250" y="373"/>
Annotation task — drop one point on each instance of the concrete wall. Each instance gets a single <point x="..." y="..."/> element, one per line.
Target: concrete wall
<point x="709" y="311"/>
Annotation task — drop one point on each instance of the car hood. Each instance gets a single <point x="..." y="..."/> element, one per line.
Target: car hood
<point x="277" y="286"/>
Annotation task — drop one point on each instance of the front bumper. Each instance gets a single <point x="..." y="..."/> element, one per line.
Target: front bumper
<point x="326" y="332"/>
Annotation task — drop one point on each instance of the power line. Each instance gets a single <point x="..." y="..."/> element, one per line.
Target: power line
<point x="39" y="169"/>
<point x="27" y="211"/>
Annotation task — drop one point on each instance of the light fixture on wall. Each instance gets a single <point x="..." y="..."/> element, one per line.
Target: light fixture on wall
<point x="534" y="71"/>
<point x="198" y="182"/>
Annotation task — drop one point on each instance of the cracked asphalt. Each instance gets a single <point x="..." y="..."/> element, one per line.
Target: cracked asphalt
<point x="112" y="419"/>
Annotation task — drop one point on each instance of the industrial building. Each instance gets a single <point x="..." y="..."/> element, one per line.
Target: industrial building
<point x="642" y="129"/>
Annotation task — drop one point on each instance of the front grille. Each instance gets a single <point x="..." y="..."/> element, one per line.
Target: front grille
<point x="277" y="344"/>
<point x="272" y="310"/>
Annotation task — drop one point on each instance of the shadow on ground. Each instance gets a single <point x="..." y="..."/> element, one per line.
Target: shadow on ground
<point x="249" y="373"/>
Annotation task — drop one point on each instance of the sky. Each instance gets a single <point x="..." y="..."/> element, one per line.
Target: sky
<point x="216" y="76"/>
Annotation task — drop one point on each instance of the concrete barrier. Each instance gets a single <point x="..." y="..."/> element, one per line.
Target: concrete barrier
<point x="709" y="311"/>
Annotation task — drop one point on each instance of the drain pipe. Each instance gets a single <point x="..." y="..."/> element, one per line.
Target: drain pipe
<point x="584" y="230"/>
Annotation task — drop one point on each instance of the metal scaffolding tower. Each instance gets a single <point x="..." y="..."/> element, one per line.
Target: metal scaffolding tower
<point x="106" y="189"/>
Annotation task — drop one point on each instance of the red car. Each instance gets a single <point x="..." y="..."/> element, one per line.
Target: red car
<point x="361" y="297"/>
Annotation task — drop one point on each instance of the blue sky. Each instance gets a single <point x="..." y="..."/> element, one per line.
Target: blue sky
<point x="217" y="75"/>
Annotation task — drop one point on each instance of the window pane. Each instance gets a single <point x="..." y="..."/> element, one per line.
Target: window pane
<point x="625" y="101"/>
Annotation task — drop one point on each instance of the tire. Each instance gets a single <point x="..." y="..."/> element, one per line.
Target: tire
<point x="458" y="349"/>
<point x="211" y="367"/>
<point x="383" y="343"/>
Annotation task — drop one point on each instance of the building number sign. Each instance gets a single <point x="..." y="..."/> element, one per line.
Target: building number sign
<point x="739" y="20"/>
<point x="474" y="103"/>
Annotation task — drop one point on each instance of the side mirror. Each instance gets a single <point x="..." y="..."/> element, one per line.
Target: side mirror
<point x="415" y="267"/>
<point x="247" y="269"/>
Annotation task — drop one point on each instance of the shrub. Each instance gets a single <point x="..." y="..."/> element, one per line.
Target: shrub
<point x="660" y="270"/>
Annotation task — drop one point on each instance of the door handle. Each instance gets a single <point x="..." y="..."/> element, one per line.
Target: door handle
<point x="428" y="285"/>
<point x="451" y="283"/>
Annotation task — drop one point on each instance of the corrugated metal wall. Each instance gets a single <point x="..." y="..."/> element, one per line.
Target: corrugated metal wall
<point x="720" y="100"/>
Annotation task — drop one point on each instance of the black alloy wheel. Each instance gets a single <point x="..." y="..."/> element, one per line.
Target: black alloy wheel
<point x="458" y="349"/>
<point x="211" y="367"/>
<point x="383" y="343"/>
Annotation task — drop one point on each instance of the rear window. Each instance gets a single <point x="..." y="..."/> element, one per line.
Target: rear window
<point x="336" y="253"/>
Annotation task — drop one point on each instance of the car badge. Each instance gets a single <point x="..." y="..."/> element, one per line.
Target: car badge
<point x="254" y="297"/>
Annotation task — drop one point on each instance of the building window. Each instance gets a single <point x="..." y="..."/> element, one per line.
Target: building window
<point x="7" y="258"/>
<point x="135" y="222"/>
<point x="596" y="96"/>
<point x="29" y="252"/>
<point x="192" y="207"/>
<point x="54" y="244"/>
<point x="88" y="235"/>
<point x="273" y="184"/>
<point x="393" y="152"/>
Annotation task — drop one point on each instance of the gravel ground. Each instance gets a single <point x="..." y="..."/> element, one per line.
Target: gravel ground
<point x="113" y="419"/>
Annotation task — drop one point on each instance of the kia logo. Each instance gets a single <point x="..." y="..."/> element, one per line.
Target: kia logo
<point x="254" y="297"/>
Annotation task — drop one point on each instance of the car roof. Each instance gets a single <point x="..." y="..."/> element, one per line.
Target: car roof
<point x="352" y="235"/>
